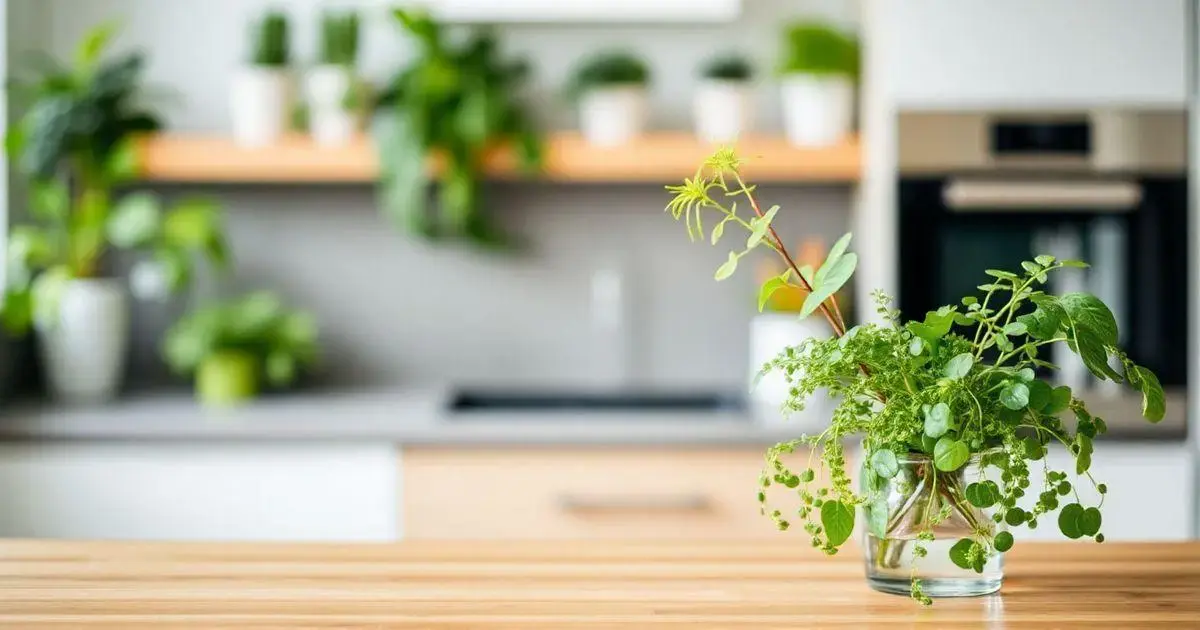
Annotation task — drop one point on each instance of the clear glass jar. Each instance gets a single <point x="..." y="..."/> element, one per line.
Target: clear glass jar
<point x="900" y="509"/>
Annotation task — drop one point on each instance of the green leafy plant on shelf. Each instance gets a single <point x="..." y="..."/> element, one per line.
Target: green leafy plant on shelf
<point x="607" y="69"/>
<point x="76" y="143"/>
<point x="811" y="48"/>
<point x="271" y="45"/>
<point x="233" y="348"/>
<point x="728" y="67"/>
<point x="339" y="39"/>
<point x="961" y="383"/>
<point x="457" y="103"/>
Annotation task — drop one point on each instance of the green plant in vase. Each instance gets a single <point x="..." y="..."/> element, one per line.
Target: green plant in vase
<point x="76" y="143"/>
<point x="456" y="103"/>
<point x="233" y="348"/>
<point x="336" y="96"/>
<point x="954" y="411"/>
<point x="611" y="90"/>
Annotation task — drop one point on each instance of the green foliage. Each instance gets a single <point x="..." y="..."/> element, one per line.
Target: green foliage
<point x="76" y="144"/>
<point x="271" y="46"/>
<point x="454" y="103"/>
<point x="608" y="69"/>
<point x="339" y="38"/>
<point x="256" y="325"/>
<point x="728" y="67"/>
<point x="811" y="48"/>
<point x="962" y="385"/>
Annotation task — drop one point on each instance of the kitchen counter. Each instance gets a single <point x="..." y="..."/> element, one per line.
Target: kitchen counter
<point x="419" y="415"/>
<point x="532" y="585"/>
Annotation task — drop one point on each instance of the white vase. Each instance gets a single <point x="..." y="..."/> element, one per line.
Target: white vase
<point x="770" y="334"/>
<point x="612" y="116"/>
<point x="721" y="110"/>
<point x="84" y="346"/>
<point x="260" y="105"/>
<point x="818" y="110"/>
<point x="330" y="122"/>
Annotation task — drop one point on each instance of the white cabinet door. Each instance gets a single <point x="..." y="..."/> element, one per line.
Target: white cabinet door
<point x="1150" y="492"/>
<point x="164" y="491"/>
<point x="1033" y="53"/>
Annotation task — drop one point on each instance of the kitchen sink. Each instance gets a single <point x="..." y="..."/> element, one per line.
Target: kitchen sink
<point x="469" y="402"/>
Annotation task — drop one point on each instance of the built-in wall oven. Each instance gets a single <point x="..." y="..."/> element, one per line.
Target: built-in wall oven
<point x="989" y="189"/>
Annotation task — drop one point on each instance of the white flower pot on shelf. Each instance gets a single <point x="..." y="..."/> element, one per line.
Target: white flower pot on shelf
<point x="83" y="342"/>
<point x="818" y="110"/>
<point x="722" y="110"/>
<point x="330" y="121"/>
<point x="260" y="105"/>
<point x="612" y="116"/>
<point x="770" y="334"/>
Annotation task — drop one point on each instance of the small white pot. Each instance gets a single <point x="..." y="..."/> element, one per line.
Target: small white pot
<point x="83" y="349"/>
<point x="770" y="334"/>
<point x="613" y="116"/>
<point x="260" y="105"/>
<point x="330" y="122"/>
<point x="818" y="110"/>
<point x="721" y="110"/>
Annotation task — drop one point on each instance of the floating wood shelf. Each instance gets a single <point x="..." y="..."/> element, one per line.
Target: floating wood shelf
<point x="658" y="157"/>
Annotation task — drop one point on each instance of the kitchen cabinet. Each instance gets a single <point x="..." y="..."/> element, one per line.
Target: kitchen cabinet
<point x="519" y="493"/>
<point x="1031" y="53"/>
<point x="1151" y="491"/>
<point x="180" y="491"/>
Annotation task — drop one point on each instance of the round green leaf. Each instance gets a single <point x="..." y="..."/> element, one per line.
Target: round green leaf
<point x="960" y="553"/>
<point x="1003" y="541"/>
<point x="877" y="517"/>
<point x="1069" y="520"/>
<point x="983" y="494"/>
<point x="1015" y="396"/>
<point x="959" y="366"/>
<point x="1039" y="395"/>
<point x="1014" y="329"/>
<point x="1015" y="516"/>
<point x="937" y="420"/>
<point x="884" y="463"/>
<point x="950" y="454"/>
<point x="1089" y="522"/>
<point x="135" y="220"/>
<point x="838" y="520"/>
<point x="1060" y="400"/>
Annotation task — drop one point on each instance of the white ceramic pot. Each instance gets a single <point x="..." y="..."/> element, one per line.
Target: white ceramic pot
<point x="613" y="116"/>
<point x="260" y="105"/>
<point x="818" y="110"/>
<point x="721" y="110"/>
<point x="770" y="334"/>
<point x="83" y="348"/>
<point x="330" y="122"/>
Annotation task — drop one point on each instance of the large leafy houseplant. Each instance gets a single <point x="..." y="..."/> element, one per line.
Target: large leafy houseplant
<point x="76" y="144"/>
<point x="962" y="386"/>
<point x="232" y="348"/>
<point x="457" y="103"/>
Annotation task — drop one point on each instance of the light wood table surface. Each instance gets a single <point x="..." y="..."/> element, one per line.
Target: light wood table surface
<point x="540" y="585"/>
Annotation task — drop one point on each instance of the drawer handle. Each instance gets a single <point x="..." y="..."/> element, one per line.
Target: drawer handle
<point x="684" y="503"/>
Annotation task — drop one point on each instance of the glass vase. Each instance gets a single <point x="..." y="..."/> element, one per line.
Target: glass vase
<point x="922" y="507"/>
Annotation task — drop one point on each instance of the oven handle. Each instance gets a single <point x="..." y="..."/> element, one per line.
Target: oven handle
<point x="1113" y="196"/>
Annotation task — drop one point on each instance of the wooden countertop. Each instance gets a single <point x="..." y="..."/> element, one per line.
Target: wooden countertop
<point x="589" y="584"/>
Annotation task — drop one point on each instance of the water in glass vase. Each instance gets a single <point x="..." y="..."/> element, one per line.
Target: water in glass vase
<point x="914" y="521"/>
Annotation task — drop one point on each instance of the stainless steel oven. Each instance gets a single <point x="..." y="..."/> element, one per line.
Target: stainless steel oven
<point x="990" y="189"/>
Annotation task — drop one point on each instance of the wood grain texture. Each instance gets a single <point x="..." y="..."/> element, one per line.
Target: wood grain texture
<point x="584" y="584"/>
<point x="655" y="158"/>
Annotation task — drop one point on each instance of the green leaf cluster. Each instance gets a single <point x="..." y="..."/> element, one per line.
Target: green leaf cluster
<point x="257" y="325"/>
<point x="453" y="104"/>
<point x="815" y="48"/>
<point x="339" y="38"/>
<point x="728" y="67"/>
<point x="606" y="69"/>
<point x="270" y="44"/>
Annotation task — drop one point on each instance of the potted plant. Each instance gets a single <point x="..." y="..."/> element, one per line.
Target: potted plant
<point x="335" y="106"/>
<point x="610" y="89"/>
<point x="722" y="107"/>
<point x="819" y="71"/>
<point x="75" y="143"/>
<point x="954" y="411"/>
<point x="233" y="348"/>
<point x="260" y="99"/>
<point x="456" y="102"/>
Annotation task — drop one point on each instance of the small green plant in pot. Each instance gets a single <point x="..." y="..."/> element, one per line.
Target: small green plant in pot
<point x="261" y="96"/>
<point x="818" y="76"/>
<point x="610" y="89"/>
<point x="722" y="106"/>
<point x="234" y="348"/>
<point x="336" y="96"/>
<point x="956" y="412"/>
<point x="456" y="103"/>
<point x="76" y="143"/>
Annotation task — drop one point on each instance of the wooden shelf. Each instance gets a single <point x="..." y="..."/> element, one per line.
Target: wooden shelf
<point x="658" y="157"/>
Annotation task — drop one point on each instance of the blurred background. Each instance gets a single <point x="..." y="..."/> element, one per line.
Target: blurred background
<point x="368" y="271"/>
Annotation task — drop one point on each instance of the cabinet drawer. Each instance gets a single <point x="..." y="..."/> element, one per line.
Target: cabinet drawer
<point x="585" y="493"/>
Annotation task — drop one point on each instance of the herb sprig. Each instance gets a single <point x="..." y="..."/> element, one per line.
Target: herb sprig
<point x="965" y="382"/>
